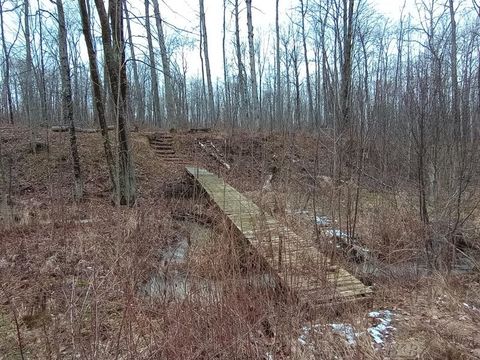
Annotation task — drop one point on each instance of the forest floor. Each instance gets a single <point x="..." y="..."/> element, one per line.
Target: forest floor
<point x="163" y="279"/>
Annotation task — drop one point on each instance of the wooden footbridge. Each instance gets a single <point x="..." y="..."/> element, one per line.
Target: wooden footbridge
<point x="297" y="262"/>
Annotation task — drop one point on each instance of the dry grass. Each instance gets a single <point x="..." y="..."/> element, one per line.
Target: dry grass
<point x="73" y="275"/>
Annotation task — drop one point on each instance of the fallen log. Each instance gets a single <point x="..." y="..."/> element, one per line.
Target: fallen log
<point x="197" y="130"/>
<point x="63" y="128"/>
<point x="59" y="128"/>
<point x="214" y="153"/>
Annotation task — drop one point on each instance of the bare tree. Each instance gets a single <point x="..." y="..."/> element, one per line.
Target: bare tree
<point x="204" y="39"/>
<point x="153" y="71"/>
<point x="28" y="74"/>
<point x="169" y="99"/>
<point x="227" y="105"/>
<point x="459" y="128"/>
<point x="114" y="52"/>
<point x="6" y="62"/>
<point x="347" y="62"/>
<point x="67" y="100"/>
<point x="97" y="90"/>
<point x="138" y="93"/>
<point x="303" y="10"/>
<point x="278" y="85"/>
<point x="253" y="73"/>
<point x="244" y="115"/>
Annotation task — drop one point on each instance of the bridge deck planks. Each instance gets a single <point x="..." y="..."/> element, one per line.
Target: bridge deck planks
<point x="297" y="262"/>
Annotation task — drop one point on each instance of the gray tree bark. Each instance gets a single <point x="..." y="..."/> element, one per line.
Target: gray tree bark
<point x="67" y="103"/>
<point x="114" y="52"/>
<point x="6" y="61"/>
<point x="157" y="113"/>
<point x="243" y="113"/>
<point x="278" y="86"/>
<point x="169" y="99"/>
<point x="211" y="101"/>
<point x="28" y="76"/>
<point x="138" y="93"/>
<point x="253" y="73"/>
<point x="307" y="68"/>
<point x="97" y="91"/>
<point x="347" y="63"/>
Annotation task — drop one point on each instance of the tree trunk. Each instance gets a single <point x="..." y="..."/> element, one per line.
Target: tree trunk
<point x="347" y="64"/>
<point x="97" y="91"/>
<point x="296" y="73"/>
<point x="244" y="117"/>
<point x="307" y="68"/>
<point x="28" y="76"/>
<point x="67" y="103"/>
<point x="459" y="129"/>
<point x="211" y="102"/>
<point x="114" y="45"/>
<point x="157" y="113"/>
<point x="41" y="78"/>
<point x="253" y="73"/>
<point x="6" y="61"/>
<point x="171" y="116"/>
<point x="278" y="86"/>
<point x="138" y="93"/>
<point x="227" y="111"/>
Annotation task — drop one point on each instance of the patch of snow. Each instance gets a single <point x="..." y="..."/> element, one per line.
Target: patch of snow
<point x="379" y="332"/>
<point x="336" y="233"/>
<point x="382" y="329"/>
<point x="323" y="220"/>
<point x="267" y="186"/>
<point x="471" y="307"/>
<point x="347" y="331"/>
<point x="344" y="330"/>
<point x="306" y="330"/>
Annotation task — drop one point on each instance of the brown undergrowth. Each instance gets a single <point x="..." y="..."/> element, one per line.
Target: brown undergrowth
<point x="73" y="276"/>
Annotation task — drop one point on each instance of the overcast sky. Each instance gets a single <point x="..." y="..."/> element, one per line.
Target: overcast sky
<point x="184" y="14"/>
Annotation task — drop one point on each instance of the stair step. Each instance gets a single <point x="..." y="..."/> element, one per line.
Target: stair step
<point x="157" y="142"/>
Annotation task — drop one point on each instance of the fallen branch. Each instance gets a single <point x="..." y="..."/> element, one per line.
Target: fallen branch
<point x="63" y="128"/>
<point x="197" y="130"/>
<point x="214" y="153"/>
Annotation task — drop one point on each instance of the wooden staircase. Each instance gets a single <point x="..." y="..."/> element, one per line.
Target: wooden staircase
<point x="163" y="145"/>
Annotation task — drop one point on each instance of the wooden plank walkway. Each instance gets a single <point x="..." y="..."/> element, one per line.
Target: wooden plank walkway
<point x="297" y="262"/>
